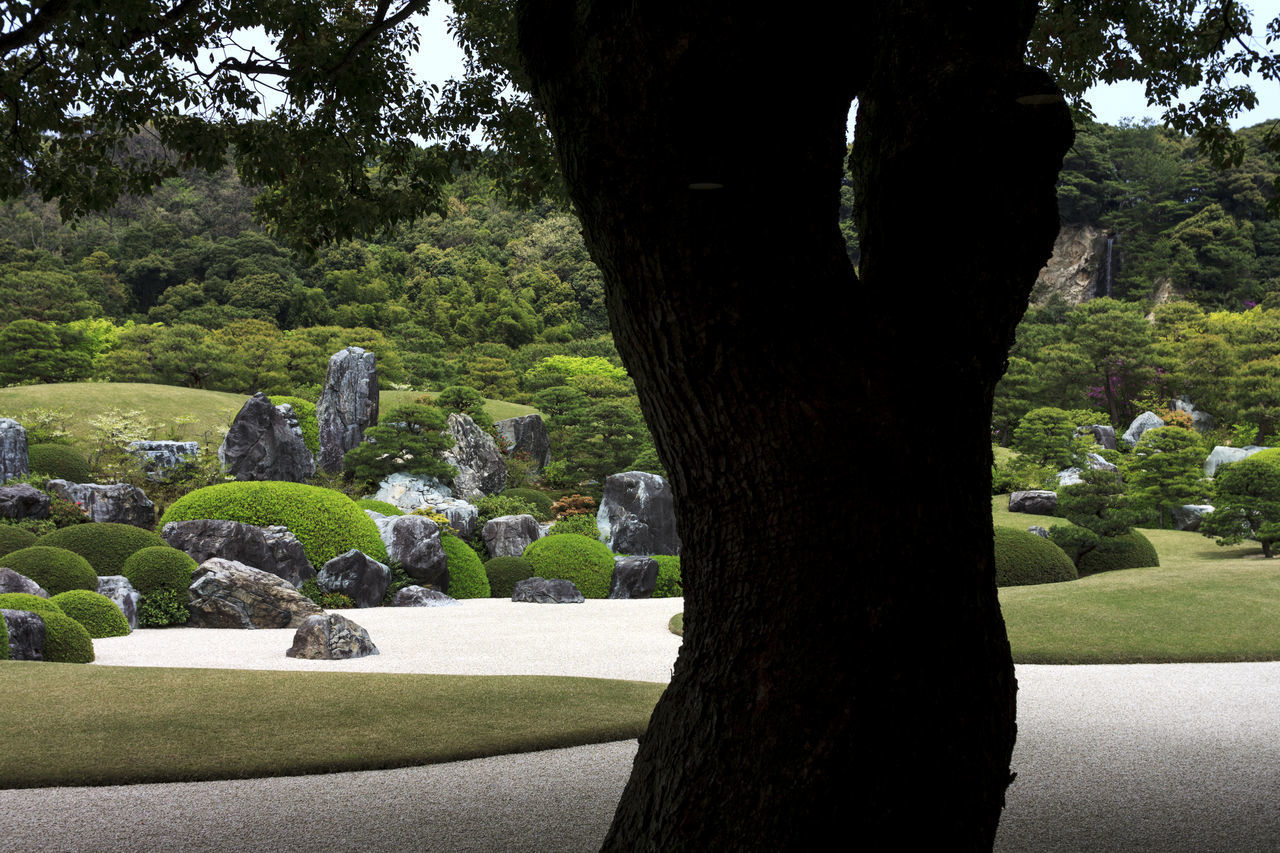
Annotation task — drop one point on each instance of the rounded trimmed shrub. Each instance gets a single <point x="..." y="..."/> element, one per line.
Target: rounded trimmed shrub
<point x="466" y="573"/>
<point x="1130" y="551"/>
<point x="12" y="538"/>
<point x="541" y="501"/>
<point x="326" y="522"/>
<point x="98" y="614"/>
<point x="379" y="506"/>
<point x="1023" y="558"/>
<point x="159" y="567"/>
<point x="55" y="569"/>
<point x="65" y="639"/>
<point x="668" y="584"/>
<point x="307" y="421"/>
<point x="504" y="573"/>
<point x="567" y="556"/>
<point x="59" y="462"/>
<point x="105" y="544"/>
<point x="26" y="601"/>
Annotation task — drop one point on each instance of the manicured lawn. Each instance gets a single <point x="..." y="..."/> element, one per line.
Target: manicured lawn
<point x="68" y="724"/>
<point x="1203" y="603"/>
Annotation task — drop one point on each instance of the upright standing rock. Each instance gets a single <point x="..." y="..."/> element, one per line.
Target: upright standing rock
<point x="265" y="443"/>
<point x="527" y="434"/>
<point x="637" y="514"/>
<point x="348" y="404"/>
<point x="13" y="450"/>
<point x="476" y="457"/>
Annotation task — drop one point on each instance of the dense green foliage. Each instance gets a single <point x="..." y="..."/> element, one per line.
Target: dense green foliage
<point x="305" y="410"/>
<point x="540" y="500"/>
<point x="586" y="562"/>
<point x="25" y="601"/>
<point x="581" y="524"/>
<point x="1246" y="502"/>
<point x="1164" y="471"/>
<point x="1127" y="551"/>
<point x="106" y="545"/>
<point x="327" y="523"/>
<point x="668" y="584"/>
<point x="65" y="639"/>
<point x="406" y="440"/>
<point x="467" y="578"/>
<point x="381" y="507"/>
<point x="1024" y="558"/>
<point x="163" y="607"/>
<point x="59" y="462"/>
<point x="159" y="567"/>
<point x="98" y="614"/>
<point x="504" y="573"/>
<point x="54" y="568"/>
<point x="12" y="538"/>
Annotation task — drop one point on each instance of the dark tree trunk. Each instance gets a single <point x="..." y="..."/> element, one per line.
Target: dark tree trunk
<point x="845" y="669"/>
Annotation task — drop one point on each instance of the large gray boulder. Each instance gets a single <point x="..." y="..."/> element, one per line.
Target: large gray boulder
<point x="1189" y="516"/>
<point x="119" y="503"/>
<point x="26" y="634"/>
<point x="1222" y="454"/>
<point x="118" y="589"/>
<point x="526" y="435"/>
<point x="23" y="501"/>
<point x="1071" y="476"/>
<point x="544" y="591"/>
<point x="1103" y="434"/>
<point x="160" y="458"/>
<point x="509" y="535"/>
<point x="415" y="491"/>
<point x="633" y="577"/>
<point x="413" y="541"/>
<point x="476" y="457"/>
<point x="359" y="577"/>
<point x="348" y="404"/>
<point x="1034" y="501"/>
<point x="11" y="581"/>
<point x="272" y="549"/>
<point x="265" y="443"/>
<point x="1142" y="423"/>
<point x="330" y="636"/>
<point x="417" y="596"/>
<point x="637" y="514"/>
<point x="13" y="450"/>
<point x="229" y="594"/>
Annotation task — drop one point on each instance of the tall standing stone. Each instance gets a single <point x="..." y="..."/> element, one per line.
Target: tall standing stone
<point x="13" y="450"/>
<point x="348" y="404"/>
<point x="476" y="458"/>
<point x="637" y="514"/>
<point x="527" y="434"/>
<point x="265" y="443"/>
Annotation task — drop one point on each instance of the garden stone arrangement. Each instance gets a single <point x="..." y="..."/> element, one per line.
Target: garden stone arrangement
<point x="348" y="404"/>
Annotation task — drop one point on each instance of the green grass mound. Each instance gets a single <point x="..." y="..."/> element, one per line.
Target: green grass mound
<point x="55" y="569"/>
<point x="105" y="544"/>
<point x="97" y="613"/>
<point x="676" y="625"/>
<point x="59" y="462"/>
<point x="540" y="501"/>
<point x="668" y="584"/>
<point x="467" y="578"/>
<point x="504" y="573"/>
<point x="159" y="567"/>
<point x="585" y="562"/>
<point x="379" y="506"/>
<point x="326" y="522"/>
<point x="12" y="538"/>
<point x="307" y="421"/>
<point x="1024" y="558"/>
<point x="1131" y="551"/>
<point x="65" y="639"/>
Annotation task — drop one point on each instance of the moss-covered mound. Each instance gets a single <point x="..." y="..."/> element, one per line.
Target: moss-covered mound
<point x="566" y="556"/>
<point x="1131" y="551"/>
<point x="55" y="569"/>
<point x="504" y="573"/>
<point x="668" y="584"/>
<point x="307" y="420"/>
<point x="540" y="500"/>
<point x="65" y="639"/>
<point x="106" y="545"/>
<point x="98" y="614"/>
<point x="379" y="506"/>
<point x="326" y="522"/>
<point x="159" y="567"/>
<point x="466" y="573"/>
<point x="12" y="538"/>
<point x="1024" y="558"/>
<point x="59" y="462"/>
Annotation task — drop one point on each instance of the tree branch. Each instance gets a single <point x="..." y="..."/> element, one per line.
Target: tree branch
<point x="50" y="15"/>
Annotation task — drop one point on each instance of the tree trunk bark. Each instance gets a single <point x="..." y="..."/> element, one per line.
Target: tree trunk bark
<point x="844" y="668"/>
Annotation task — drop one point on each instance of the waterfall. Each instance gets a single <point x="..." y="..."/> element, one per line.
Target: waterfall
<point x="1111" y="239"/>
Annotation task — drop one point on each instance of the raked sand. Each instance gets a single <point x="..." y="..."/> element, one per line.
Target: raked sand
<point x="1140" y="758"/>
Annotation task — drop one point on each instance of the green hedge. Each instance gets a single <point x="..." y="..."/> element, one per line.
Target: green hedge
<point x="1131" y="551"/>
<point x="467" y="578"/>
<point x="55" y="569"/>
<point x="1024" y="558"/>
<point x="379" y="506"/>
<point x="105" y="544"/>
<point x="59" y="462"/>
<point x="65" y="639"/>
<point x="159" y="567"/>
<point x="326" y="522"/>
<point x="98" y="614"/>
<point x="568" y="556"/>
<point x="504" y="573"/>
<point x="12" y="538"/>
<point x="668" y="584"/>
<point x="307" y="420"/>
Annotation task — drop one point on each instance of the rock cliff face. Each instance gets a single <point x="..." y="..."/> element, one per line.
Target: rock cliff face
<point x="1076" y="267"/>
